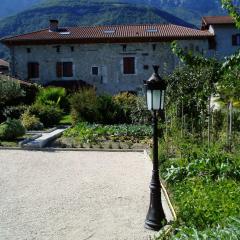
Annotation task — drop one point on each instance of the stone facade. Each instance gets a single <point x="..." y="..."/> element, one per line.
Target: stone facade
<point x="108" y="57"/>
<point x="223" y="38"/>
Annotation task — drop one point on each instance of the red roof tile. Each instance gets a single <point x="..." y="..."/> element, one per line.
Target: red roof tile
<point x="118" y="33"/>
<point x="213" y="20"/>
<point x="4" y="63"/>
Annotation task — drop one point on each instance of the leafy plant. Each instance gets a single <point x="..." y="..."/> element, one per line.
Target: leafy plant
<point x="49" y="115"/>
<point x="11" y="129"/>
<point x="14" y="111"/>
<point x="31" y="122"/>
<point x="52" y="95"/>
<point x="83" y="106"/>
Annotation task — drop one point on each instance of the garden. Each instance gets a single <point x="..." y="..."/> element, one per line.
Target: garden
<point x="199" y="153"/>
<point x="98" y="121"/>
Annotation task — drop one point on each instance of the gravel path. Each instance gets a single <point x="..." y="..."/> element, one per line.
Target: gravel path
<point x="73" y="195"/>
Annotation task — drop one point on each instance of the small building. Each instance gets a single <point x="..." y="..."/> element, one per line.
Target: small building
<point x="4" y="67"/>
<point x="227" y="36"/>
<point x="111" y="58"/>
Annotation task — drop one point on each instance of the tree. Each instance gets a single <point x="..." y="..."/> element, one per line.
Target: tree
<point x="233" y="9"/>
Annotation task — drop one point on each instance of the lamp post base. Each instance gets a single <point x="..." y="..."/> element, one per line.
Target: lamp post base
<point x="155" y="219"/>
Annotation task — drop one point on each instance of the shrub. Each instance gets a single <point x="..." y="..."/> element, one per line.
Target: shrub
<point x="11" y="129"/>
<point x="49" y="115"/>
<point x="50" y="95"/>
<point x="127" y="102"/>
<point x="31" y="122"/>
<point x="14" y="111"/>
<point x="84" y="106"/>
<point x="9" y="90"/>
<point x="108" y="112"/>
<point x="133" y="107"/>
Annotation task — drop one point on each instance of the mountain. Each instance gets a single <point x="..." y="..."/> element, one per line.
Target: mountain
<point x="11" y="7"/>
<point x="83" y="12"/>
<point x="103" y="12"/>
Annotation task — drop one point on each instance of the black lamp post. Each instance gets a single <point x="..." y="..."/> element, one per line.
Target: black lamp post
<point x="155" y="91"/>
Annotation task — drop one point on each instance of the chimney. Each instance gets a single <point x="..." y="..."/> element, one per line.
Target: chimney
<point x="53" y="25"/>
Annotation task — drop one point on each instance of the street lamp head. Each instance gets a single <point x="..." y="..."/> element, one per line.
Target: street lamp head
<point x="155" y="90"/>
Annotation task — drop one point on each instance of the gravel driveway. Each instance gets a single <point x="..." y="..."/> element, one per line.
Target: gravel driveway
<point x="73" y="195"/>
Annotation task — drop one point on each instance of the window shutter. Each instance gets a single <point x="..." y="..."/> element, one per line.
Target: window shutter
<point x="67" y="69"/>
<point x="29" y="70"/>
<point x="129" y="65"/>
<point x="33" y="70"/>
<point x="36" y="70"/>
<point x="59" y="69"/>
<point x="234" y="40"/>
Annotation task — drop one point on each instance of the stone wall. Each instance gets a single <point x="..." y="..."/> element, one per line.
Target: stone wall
<point x="109" y="59"/>
<point x="223" y="37"/>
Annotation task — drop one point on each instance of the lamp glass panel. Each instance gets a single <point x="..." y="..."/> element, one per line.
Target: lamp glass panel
<point x="162" y="99"/>
<point x="156" y="99"/>
<point x="149" y="99"/>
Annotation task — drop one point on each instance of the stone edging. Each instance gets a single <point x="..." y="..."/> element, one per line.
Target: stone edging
<point x="72" y="149"/>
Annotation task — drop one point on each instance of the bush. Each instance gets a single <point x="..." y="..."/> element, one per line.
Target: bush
<point x="49" y="115"/>
<point x="108" y="112"/>
<point x="14" y="111"/>
<point x="11" y="129"/>
<point x="133" y="107"/>
<point x="50" y="95"/>
<point x="84" y="106"/>
<point x="31" y="122"/>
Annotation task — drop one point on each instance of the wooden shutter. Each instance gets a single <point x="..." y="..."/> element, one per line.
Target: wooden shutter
<point x="59" y="69"/>
<point x="67" y="69"/>
<point x="33" y="70"/>
<point x="129" y="65"/>
<point x="234" y="40"/>
<point x="29" y="70"/>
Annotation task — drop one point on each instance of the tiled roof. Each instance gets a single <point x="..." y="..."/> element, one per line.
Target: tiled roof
<point x="110" y="34"/>
<point x="4" y="63"/>
<point x="213" y="20"/>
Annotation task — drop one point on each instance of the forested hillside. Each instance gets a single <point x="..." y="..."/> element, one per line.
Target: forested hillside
<point x="10" y="7"/>
<point x="101" y="12"/>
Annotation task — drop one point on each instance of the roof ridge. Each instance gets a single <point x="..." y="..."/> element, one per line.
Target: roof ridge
<point x="18" y="35"/>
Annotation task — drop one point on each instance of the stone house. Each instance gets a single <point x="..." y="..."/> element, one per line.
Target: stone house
<point x="111" y="58"/>
<point x="226" y="35"/>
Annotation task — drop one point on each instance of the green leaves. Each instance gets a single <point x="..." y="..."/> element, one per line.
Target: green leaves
<point x="94" y="133"/>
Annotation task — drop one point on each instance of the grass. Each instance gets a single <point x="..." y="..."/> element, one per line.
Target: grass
<point x="66" y="120"/>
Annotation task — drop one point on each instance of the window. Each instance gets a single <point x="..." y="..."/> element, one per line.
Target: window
<point x="64" y="69"/>
<point x="145" y="67"/>
<point x="28" y="50"/>
<point x="33" y="70"/>
<point x="154" y="47"/>
<point x="124" y="47"/>
<point x="58" y="49"/>
<point x="236" y="40"/>
<point x="95" y="71"/>
<point x="128" y="65"/>
<point x="212" y="43"/>
<point x="72" y="49"/>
